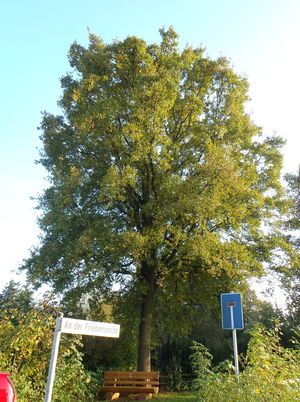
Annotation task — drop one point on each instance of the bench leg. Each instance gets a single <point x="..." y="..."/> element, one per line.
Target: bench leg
<point x="112" y="396"/>
<point x="145" y="397"/>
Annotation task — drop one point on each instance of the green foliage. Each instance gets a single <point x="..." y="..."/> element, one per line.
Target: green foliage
<point x="176" y="397"/>
<point x="15" y="297"/>
<point x="26" y="342"/>
<point x="201" y="361"/>
<point x="161" y="187"/>
<point x="259" y="311"/>
<point x="293" y="181"/>
<point x="172" y="376"/>
<point x="292" y="281"/>
<point x="271" y="373"/>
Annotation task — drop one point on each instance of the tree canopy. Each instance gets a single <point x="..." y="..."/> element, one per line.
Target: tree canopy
<point x="163" y="192"/>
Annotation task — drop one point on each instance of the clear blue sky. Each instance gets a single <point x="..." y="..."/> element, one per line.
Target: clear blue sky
<point x="261" y="37"/>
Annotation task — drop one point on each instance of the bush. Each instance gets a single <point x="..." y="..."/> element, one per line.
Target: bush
<point x="26" y="343"/>
<point x="271" y="373"/>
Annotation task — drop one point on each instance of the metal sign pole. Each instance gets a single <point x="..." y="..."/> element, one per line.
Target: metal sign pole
<point x="235" y="351"/>
<point x="235" y="348"/>
<point x="54" y="353"/>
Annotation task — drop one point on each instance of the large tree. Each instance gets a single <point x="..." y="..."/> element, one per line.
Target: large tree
<point x="162" y="189"/>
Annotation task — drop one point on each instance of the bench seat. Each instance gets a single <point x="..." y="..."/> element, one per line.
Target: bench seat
<point x="118" y="383"/>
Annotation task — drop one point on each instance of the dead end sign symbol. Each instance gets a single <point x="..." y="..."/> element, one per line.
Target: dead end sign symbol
<point x="232" y="315"/>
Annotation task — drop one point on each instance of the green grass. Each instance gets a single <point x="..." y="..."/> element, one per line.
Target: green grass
<point x="176" y="397"/>
<point x="171" y="397"/>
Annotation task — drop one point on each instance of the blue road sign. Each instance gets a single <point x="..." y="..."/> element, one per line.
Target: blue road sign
<point x="232" y="314"/>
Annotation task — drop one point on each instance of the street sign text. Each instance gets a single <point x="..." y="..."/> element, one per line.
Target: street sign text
<point x="92" y="328"/>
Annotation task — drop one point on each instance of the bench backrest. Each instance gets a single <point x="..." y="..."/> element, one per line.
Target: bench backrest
<point x="131" y="378"/>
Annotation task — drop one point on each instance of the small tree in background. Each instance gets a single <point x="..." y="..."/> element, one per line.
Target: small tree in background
<point x="293" y="225"/>
<point x="15" y="297"/>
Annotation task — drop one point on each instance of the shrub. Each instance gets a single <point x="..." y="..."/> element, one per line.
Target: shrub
<point x="271" y="373"/>
<point x="26" y="342"/>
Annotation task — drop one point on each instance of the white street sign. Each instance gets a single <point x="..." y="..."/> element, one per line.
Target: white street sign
<point x="92" y="328"/>
<point x="80" y="327"/>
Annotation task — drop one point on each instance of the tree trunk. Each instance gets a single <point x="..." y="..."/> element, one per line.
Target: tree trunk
<point x="147" y="304"/>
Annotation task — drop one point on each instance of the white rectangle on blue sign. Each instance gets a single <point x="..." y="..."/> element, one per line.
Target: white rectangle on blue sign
<point x="232" y="314"/>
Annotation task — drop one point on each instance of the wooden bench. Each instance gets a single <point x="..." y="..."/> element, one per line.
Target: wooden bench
<point x="124" y="383"/>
